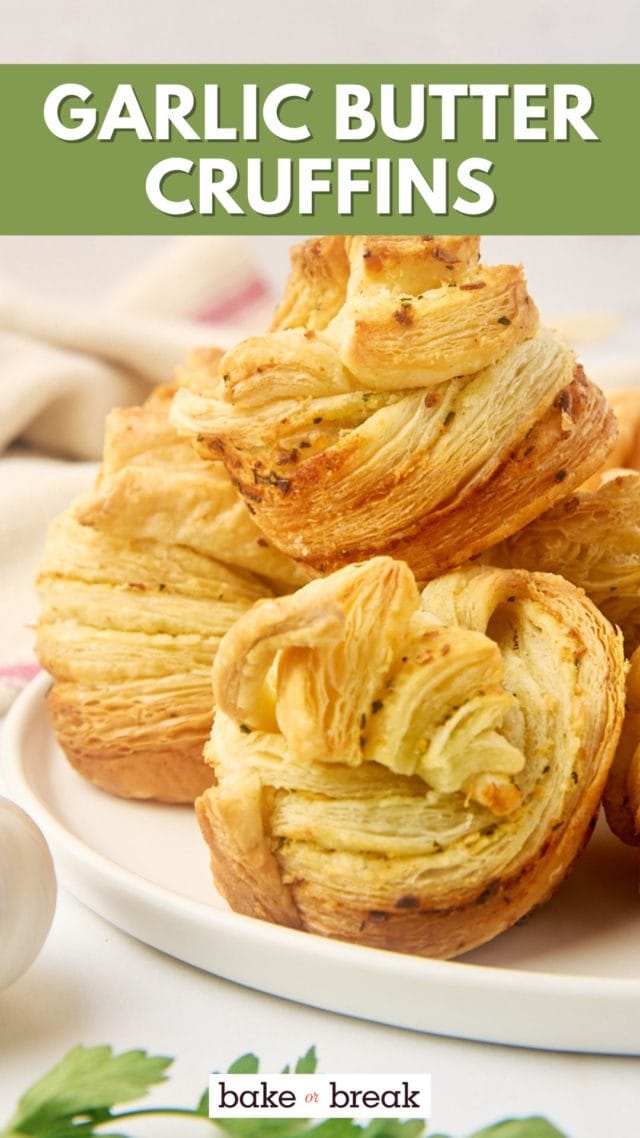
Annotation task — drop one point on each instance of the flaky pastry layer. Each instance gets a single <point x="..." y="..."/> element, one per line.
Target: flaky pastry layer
<point x="592" y="539"/>
<point x="416" y="409"/>
<point x="128" y="630"/>
<point x="409" y="771"/>
<point x="153" y="485"/>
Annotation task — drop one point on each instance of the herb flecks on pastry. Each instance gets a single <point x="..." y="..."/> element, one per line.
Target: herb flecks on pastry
<point x="406" y="402"/>
<point x="412" y="772"/>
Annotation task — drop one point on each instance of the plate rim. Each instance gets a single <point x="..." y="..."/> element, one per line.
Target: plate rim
<point x="71" y="854"/>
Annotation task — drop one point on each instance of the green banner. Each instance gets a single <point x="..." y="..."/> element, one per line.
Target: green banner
<point x="319" y="149"/>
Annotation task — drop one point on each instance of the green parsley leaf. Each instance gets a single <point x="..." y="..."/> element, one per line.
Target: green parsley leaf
<point x="264" y="1127"/>
<point x="246" y="1065"/>
<point x="520" y="1128"/>
<point x="76" y="1100"/>
<point x="87" y="1081"/>
<point x="307" y="1064"/>
<point x="393" y="1128"/>
<point x="335" y="1128"/>
<point x="202" y="1108"/>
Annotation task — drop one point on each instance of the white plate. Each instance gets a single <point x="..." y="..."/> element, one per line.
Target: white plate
<point x="567" y="979"/>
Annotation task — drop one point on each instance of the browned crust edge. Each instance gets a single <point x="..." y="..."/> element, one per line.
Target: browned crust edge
<point x="154" y="760"/>
<point x="567" y="444"/>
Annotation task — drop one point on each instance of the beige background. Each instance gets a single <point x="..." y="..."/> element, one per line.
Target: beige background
<point x="365" y="31"/>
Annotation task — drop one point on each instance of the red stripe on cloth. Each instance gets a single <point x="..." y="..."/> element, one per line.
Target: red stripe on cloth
<point x="229" y="307"/>
<point x="19" y="671"/>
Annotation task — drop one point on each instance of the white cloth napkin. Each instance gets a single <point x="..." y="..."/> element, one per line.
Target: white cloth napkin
<point x="63" y="365"/>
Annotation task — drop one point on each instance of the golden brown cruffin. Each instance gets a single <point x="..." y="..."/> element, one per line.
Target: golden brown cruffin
<point x="622" y="792"/>
<point x="139" y="581"/>
<point x="409" y="772"/>
<point x="406" y="402"/>
<point x="592" y="539"/>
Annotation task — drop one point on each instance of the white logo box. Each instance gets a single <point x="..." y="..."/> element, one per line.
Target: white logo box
<point x="320" y="1096"/>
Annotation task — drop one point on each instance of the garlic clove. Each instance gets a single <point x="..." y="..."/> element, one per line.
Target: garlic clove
<point x="27" y="891"/>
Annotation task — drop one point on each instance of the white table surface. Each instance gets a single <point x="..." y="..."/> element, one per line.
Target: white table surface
<point x="94" y="984"/>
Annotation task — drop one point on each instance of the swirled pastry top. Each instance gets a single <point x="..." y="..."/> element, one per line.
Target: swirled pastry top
<point x="406" y="401"/>
<point x="384" y="759"/>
